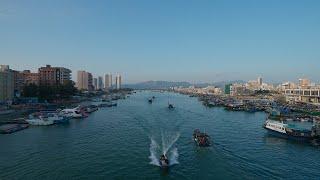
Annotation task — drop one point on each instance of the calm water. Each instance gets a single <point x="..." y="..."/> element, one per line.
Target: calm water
<point x="125" y="143"/>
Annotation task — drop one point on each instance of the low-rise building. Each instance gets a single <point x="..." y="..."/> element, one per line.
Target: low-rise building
<point x="304" y="92"/>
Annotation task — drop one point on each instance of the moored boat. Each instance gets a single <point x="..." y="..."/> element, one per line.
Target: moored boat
<point x="91" y="109"/>
<point x="110" y="104"/>
<point x="42" y="119"/>
<point x="11" y="128"/>
<point x="73" y="113"/>
<point x="284" y="130"/>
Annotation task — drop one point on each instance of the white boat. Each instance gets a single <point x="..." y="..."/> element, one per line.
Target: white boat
<point x="279" y="127"/>
<point x="73" y="113"/>
<point x="284" y="130"/>
<point x="42" y="119"/>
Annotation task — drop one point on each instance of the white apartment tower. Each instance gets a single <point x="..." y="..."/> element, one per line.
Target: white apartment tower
<point x="84" y="81"/>
<point x="108" y="81"/>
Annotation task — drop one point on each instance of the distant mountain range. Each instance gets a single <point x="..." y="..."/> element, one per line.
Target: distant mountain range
<point x="168" y="84"/>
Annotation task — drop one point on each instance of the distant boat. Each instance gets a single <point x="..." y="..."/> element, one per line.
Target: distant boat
<point x="150" y="101"/>
<point x="170" y="106"/>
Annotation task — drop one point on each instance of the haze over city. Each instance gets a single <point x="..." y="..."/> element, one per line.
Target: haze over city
<point x="191" y="41"/>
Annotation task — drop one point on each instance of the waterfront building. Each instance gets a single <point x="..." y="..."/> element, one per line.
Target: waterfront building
<point x="90" y="82"/>
<point x="95" y="83"/>
<point x="304" y="83"/>
<point x="23" y="78"/>
<point x="53" y="75"/>
<point x="84" y="81"/>
<point x="108" y="81"/>
<point x="210" y="90"/>
<point x="239" y="90"/>
<point x="100" y="83"/>
<point x="6" y="83"/>
<point x="118" y="82"/>
<point x="304" y="92"/>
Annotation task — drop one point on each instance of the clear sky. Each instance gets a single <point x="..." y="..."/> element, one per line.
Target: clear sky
<point x="176" y="40"/>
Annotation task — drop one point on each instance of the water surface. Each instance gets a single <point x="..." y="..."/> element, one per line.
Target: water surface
<point x="125" y="142"/>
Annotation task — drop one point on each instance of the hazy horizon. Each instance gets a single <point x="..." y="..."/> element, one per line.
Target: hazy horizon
<point x="207" y="41"/>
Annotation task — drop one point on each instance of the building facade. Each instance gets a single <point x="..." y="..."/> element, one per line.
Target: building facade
<point x="84" y="81"/>
<point x="53" y="75"/>
<point x="118" y="82"/>
<point x="6" y="84"/>
<point x="108" y="81"/>
<point x="303" y="92"/>
<point x="100" y="83"/>
<point x="95" y="83"/>
<point x="23" y="78"/>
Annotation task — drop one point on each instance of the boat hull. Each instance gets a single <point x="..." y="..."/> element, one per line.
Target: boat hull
<point x="287" y="136"/>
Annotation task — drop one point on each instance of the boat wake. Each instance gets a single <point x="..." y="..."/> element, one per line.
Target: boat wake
<point x="166" y="147"/>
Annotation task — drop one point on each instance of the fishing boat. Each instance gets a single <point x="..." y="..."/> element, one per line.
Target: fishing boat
<point x="164" y="161"/>
<point x="170" y="106"/>
<point x="201" y="139"/>
<point x="286" y="131"/>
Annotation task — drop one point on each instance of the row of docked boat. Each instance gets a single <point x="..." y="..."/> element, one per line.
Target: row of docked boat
<point x="45" y="118"/>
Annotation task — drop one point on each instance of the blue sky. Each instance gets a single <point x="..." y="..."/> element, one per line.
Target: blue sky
<point x="177" y="40"/>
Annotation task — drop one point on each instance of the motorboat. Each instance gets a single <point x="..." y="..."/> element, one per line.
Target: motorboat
<point x="201" y="139"/>
<point x="164" y="161"/>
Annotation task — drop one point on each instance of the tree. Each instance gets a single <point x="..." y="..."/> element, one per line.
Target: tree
<point x="31" y="90"/>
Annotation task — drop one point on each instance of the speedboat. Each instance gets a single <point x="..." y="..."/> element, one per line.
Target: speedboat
<point x="164" y="161"/>
<point x="201" y="139"/>
<point x="150" y="100"/>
